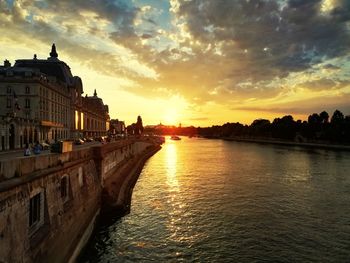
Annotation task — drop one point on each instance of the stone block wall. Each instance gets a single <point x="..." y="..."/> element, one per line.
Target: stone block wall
<point x="48" y="201"/>
<point x="63" y="219"/>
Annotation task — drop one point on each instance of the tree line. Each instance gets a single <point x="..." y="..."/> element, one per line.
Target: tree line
<point x="319" y="128"/>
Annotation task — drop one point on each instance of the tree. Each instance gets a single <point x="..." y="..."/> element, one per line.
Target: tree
<point x="284" y="128"/>
<point x="337" y="118"/>
<point x="324" y="117"/>
<point x="314" y="119"/>
<point x="260" y="127"/>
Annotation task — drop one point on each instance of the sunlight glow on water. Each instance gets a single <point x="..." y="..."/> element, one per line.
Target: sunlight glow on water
<point x="203" y="200"/>
<point x="171" y="163"/>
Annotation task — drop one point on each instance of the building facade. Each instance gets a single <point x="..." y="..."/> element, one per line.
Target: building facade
<point x="40" y="100"/>
<point x="117" y="127"/>
<point x="95" y="116"/>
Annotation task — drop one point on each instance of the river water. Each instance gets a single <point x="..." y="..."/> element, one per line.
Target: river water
<point x="201" y="200"/>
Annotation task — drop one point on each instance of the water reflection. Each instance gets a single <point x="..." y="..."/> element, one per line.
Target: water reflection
<point x="171" y="161"/>
<point x="175" y="203"/>
<point x="212" y="201"/>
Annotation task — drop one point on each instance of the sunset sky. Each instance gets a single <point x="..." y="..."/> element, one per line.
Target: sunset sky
<point x="198" y="62"/>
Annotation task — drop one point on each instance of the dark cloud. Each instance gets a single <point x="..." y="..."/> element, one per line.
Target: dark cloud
<point x="342" y="11"/>
<point x="325" y="84"/>
<point x="306" y="106"/>
<point x="277" y="39"/>
<point x="331" y="66"/>
<point x="151" y="21"/>
<point x="117" y="12"/>
<point x="146" y="36"/>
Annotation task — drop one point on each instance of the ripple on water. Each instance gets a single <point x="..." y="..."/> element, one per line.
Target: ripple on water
<point x="213" y="201"/>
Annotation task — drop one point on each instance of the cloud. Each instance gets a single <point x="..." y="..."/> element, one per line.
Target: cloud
<point x="223" y="51"/>
<point x="320" y="84"/>
<point x="306" y="106"/>
<point x="146" y="36"/>
<point x="118" y="13"/>
<point x="278" y="40"/>
<point x="331" y="67"/>
<point x="80" y="30"/>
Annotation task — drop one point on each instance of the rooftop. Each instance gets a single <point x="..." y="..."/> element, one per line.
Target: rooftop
<point x="51" y="66"/>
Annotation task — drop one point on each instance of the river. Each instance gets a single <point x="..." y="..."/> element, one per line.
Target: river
<point x="201" y="200"/>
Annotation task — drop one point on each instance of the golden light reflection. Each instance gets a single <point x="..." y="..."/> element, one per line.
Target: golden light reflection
<point x="180" y="220"/>
<point x="173" y="199"/>
<point x="171" y="161"/>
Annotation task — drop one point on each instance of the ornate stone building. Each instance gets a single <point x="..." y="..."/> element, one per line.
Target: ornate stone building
<point x="117" y="127"/>
<point x="40" y="100"/>
<point x="95" y="116"/>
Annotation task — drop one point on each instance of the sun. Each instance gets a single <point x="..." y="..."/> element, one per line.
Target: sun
<point x="171" y="117"/>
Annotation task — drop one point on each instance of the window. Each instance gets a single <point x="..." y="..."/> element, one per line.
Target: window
<point x="9" y="102"/>
<point x="9" y="90"/>
<point x="27" y="90"/>
<point x="81" y="121"/>
<point x="35" y="210"/>
<point x="27" y="103"/>
<point x="76" y="120"/>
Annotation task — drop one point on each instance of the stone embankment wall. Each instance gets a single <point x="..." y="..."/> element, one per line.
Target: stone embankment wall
<point x="118" y="188"/>
<point x="48" y="203"/>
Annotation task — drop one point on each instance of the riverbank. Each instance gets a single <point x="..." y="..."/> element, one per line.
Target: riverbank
<point x="289" y="143"/>
<point x="117" y="192"/>
<point x="116" y="196"/>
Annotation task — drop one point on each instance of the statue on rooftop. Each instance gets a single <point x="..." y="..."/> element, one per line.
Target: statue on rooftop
<point x="53" y="52"/>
